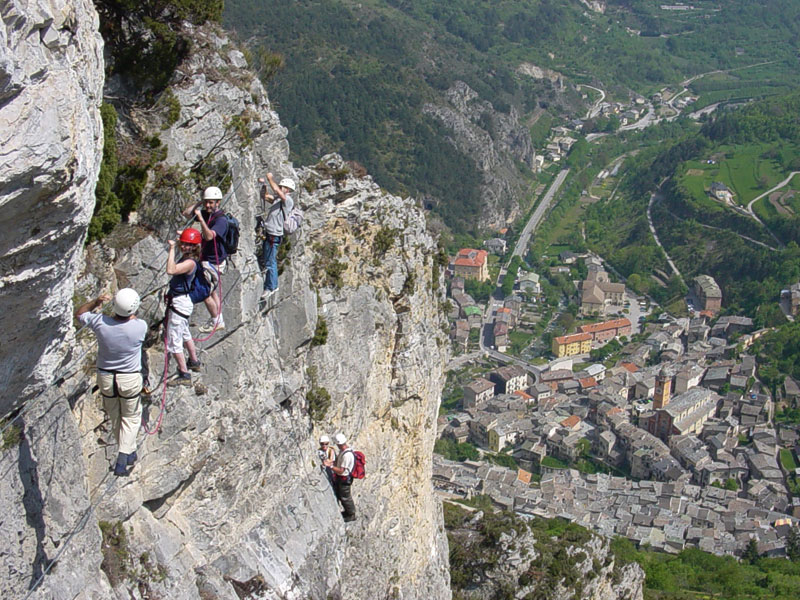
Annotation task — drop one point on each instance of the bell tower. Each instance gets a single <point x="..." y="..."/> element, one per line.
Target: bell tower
<point x="661" y="393"/>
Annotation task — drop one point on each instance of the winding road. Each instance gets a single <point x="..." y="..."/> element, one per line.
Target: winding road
<point x="595" y="108"/>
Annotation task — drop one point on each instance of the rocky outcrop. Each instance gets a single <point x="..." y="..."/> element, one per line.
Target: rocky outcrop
<point x="496" y="554"/>
<point x="51" y="86"/>
<point x="496" y="142"/>
<point x="228" y="500"/>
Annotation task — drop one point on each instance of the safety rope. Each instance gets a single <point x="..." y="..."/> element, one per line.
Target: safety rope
<point x="163" y="382"/>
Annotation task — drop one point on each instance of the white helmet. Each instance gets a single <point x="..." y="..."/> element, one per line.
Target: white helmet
<point x="212" y="193"/>
<point x="324" y="439"/>
<point x="287" y="183"/>
<point x="340" y="439"/>
<point x="126" y="302"/>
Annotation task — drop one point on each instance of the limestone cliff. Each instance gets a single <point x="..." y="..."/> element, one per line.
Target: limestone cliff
<point x="227" y="500"/>
<point x="496" y="142"/>
<point x="498" y="555"/>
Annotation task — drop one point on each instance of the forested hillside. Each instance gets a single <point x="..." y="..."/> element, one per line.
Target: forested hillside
<point x="703" y="235"/>
<point x="356" y="75"/>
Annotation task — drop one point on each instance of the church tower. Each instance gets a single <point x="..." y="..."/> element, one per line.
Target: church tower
<point x="661" y="394"/>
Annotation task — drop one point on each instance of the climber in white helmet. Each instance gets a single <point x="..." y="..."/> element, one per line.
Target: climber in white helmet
<point x="276" y="215"/>
<point x="213" y="227"/>
<point x="326" y="452"/>
<point x="119" y="367"/>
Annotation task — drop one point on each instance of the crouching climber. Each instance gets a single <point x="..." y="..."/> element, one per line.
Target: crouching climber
<point x="119" y="368"/>
<point x="180" y="305"/>
<point x="327" y="453"/>
<point x="342" y="470"/>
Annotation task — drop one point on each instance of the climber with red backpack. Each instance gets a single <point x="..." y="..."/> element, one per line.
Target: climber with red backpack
<point x="185" y="288"/>
<point x="349" y="465"/>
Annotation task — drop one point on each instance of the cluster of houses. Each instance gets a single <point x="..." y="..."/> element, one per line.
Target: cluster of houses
<point x="681" y="413"/>
<point x="667" y="516"/>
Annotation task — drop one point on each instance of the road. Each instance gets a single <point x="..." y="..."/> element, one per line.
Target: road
<point x="649" y="119"/>
<point x="493" y="304"/>
<point x="595" y="108"/>
<point x="655" y="236"/>
<point x="777" y="187"/>
<point x="536" y="217"/>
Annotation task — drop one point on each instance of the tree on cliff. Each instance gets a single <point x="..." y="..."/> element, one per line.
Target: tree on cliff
<point x="145" y="36"/>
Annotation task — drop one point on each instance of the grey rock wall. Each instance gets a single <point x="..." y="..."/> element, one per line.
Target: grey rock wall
<point x="51" y="84"/>
<point x="495" y="141"/>
<point x="228" y="499"/>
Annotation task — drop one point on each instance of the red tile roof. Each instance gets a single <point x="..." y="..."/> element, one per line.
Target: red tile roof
<point x="630" y="367"/>
<point x="575" y="337"/>
<point x="571" y="421"/>
<point x="469" y="257"/>
<point x="605" y="326"/>
<point x="587" y="382"/>
<point x="523" y="395"/>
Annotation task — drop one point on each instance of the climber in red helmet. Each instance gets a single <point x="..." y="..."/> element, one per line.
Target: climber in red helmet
<point x="180" y="304"/>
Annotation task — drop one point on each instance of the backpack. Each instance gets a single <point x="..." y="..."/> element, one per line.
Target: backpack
<point x="200" y="288"/>
<point x="292" y="222"/>
<point x="358" y="470"/>
<point x="230" y="241"/>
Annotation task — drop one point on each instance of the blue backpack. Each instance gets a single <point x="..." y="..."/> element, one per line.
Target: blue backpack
<point x="200" y="288"/>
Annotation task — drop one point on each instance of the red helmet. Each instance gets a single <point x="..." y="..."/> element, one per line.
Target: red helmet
<point x="190" y="236"/>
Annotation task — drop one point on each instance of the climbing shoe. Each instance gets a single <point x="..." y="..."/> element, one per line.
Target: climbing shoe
<point x="181" y="379"/>
<point x="194" y="365"/>
<point x="208" y="326"/>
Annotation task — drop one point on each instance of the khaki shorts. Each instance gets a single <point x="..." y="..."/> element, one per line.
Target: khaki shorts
<point x="213" y="272"/>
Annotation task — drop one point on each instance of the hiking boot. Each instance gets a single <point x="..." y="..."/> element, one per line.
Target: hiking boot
<point x="181" y="379"/>
<point x="194" y="365"/>
<point x="121" y="466"/>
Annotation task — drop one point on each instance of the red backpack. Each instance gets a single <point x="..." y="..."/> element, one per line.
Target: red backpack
<point x="358" y="470"/>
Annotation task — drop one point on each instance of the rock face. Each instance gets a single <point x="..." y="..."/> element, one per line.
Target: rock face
<point x="51" y="86"/>
<point x="495" y="141"/>
<point x="499" y="555"/>
<point x="228" y="500"/>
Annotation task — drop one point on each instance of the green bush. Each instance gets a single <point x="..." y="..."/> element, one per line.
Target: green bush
<point x="453" y="450"/>
<point x="319" y="401"/>
<point x="320" y="332"/>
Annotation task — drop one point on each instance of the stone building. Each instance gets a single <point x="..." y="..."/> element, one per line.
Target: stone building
<point x="472" y="264"/>
<point x="708" y="293"/>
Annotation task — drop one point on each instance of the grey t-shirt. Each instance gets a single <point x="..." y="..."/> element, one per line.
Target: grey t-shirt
<point x="275" y="215"/>
<point x="119" y="343"/>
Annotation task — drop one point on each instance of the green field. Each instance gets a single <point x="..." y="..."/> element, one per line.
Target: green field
<point x="748" y="170"/>
<point x="787" y="460"/>
<point x="767" y="211"/>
